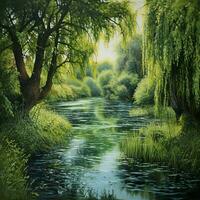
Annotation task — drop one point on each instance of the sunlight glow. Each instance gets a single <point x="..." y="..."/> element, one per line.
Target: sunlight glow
<point x="108" y="51"/>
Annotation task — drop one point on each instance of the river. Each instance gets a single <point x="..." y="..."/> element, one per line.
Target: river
<point x="92" y="161"/>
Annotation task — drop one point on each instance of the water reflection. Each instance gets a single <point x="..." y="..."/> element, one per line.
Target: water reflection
<point x="92" y="160"/>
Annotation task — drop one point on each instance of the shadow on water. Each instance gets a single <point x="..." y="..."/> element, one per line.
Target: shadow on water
<point x="92" y="160"/>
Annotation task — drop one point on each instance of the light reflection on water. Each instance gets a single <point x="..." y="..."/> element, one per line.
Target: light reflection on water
<point x="92" y="160"/>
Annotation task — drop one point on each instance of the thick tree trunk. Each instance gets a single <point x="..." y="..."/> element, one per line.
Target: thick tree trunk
<point x="30" y="93"/>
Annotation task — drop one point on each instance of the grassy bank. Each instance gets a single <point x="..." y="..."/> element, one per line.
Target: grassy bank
<point x="167" y="141"/>
<point x="22" y="137"/>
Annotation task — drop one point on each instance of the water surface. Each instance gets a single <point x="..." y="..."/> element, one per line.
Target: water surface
<point x="92" y="160"/>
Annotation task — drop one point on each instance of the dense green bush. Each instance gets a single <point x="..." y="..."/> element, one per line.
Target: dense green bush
<point x="105" y="77"/>
<point x="121" y="86"/>
<point x="104" y="67"/>
<point x="61" y="92"/>
<point x="144" y="93"/>
<point x="39" y="132"/>
<point x="95" y="90"/>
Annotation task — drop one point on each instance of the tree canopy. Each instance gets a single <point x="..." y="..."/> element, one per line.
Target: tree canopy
<point x="172" y="53"/>
<point x="53" y="33"/>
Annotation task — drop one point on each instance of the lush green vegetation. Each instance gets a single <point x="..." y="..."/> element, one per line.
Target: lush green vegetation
<point x="171" y="53"/>
<point x="45" y="51"/>
<point x="166" y="142"/>
<point x="38" y="40"/>
<point x="171" y="64"/>
<point x="13" y="178"/>
<point x="46" y="35"/>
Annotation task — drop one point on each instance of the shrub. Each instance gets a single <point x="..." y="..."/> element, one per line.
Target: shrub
<point x="43" y="130"/>
<point x="79" y="88"/>
<point x="61" y="92"/>
<point x="144" y="93"/>
<point x="105" y="77"/>
<point x="130" y="82"/>
<point x="121" y="86"/>
<point x="104" y="67"/>
<point x="94" y="88"/>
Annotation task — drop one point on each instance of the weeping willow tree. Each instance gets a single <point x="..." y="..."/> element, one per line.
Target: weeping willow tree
<point x="172" y="53"/>
<point x="55" y="33"/>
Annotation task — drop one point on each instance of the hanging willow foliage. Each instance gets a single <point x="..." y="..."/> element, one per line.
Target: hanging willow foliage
<point x="172" y="53"/>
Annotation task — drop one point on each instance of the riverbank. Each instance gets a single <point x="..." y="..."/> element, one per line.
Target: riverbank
<point x="22" y="137"/>
<point x="166" y="141"/>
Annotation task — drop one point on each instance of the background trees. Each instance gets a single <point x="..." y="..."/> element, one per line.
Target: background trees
<point x="47" y="34"/>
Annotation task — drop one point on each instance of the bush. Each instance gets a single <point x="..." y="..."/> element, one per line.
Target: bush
<point x="144" y="93"/>
<point x="105" y="77"/>
<point x="104" y="67"/>
<point x="95" y="90"/>
<point x="121" y="86"/>
<point x="42" y="131"/>
<point x="61" y="92"/>
<point x="79" y="88"/>
<point x="13" y="181"/>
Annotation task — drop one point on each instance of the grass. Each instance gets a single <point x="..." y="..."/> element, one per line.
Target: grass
<point x="22" y="137"/>
<point x="168" y="142"/>
<point x="42" y="131"/>
<point x="142" y="111"/>
<point x="13" y="181"/>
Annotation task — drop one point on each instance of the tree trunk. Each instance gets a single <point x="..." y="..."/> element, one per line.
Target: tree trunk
<point x="30" y="92"/>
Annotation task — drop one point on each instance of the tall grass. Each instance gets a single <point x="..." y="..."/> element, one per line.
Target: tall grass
<point x="41" y="131"/>
<point x="23" y="136"/>
<point x="166" y="142"/>
<point x="13" y="179"/>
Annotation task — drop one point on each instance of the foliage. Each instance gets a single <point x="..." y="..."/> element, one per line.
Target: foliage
<point x="95" y="90"/>
<point x="142" y="111"/>
<point x="172" y="53"/>
<point x="9" y="88"/>
<point x="61" y="92"/>
<point x="79" y="88"/>
<point x="122" y="86"/>
<point x="105" y="77"/>
<point x="43" y="130"/>
<point x="13" y="181"/>
<point x="130" y="56"/>
<point x="53" y="33"/>
<point x="103" y="67"/>
<point x="144" y="93"/>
